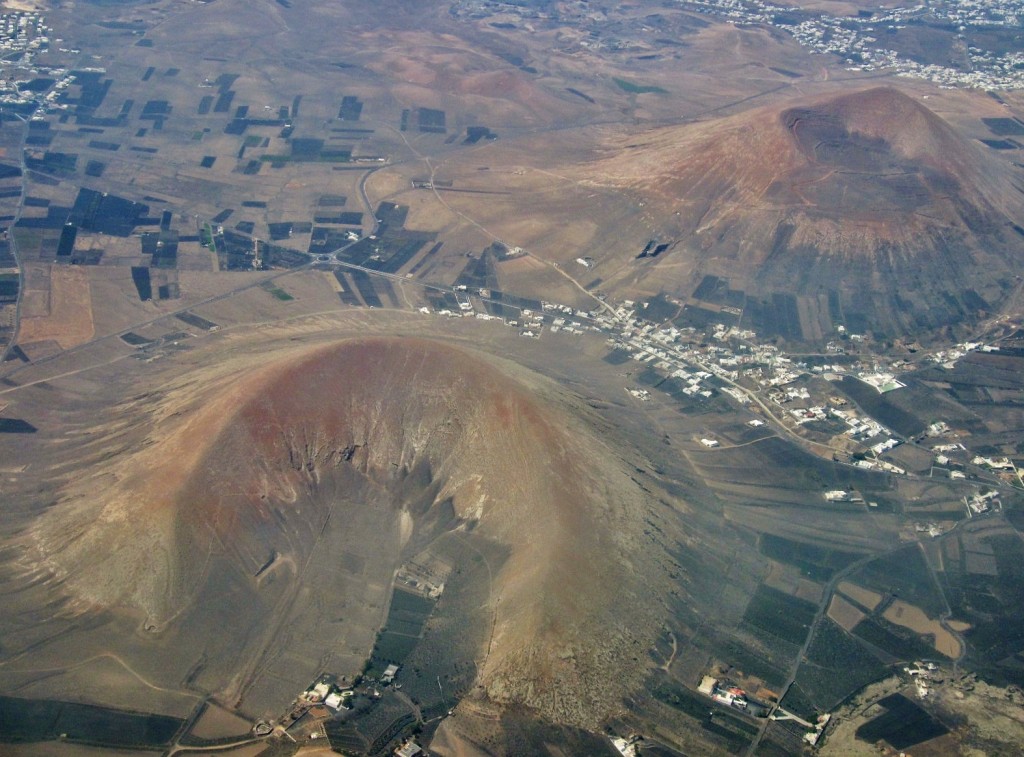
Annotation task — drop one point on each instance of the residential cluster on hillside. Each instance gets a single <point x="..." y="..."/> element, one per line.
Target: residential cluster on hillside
<point x="870" y="41"/>
<point x="733" y="361"/>
<point x="860" y="40"/>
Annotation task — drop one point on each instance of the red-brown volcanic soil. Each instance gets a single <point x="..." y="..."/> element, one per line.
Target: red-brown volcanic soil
<point x="388" y="442"/>
<point x="865" y="192"/>
<point x="874" y="159"/>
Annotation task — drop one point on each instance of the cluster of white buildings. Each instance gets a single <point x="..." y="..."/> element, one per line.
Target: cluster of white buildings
<point x="626" y="747"/>
<point x="723" y="692"/>
<point x="23" y="34"/>
<point x="922" y="674"/>
<point x="948" y="358"/>
<point x="22" y="31"/>
<point x="745" y="370"/>
<point x="857" y="40"/>
<point x="661" y="347"/>
<point x="841" y="495"/>
<point x="982" y="502"/>
<point x="934" y="530"/>
<point x="1002" y="463"/>
<point x="326" y="692"/>
<point x="735" y="358"/>
<point x="658" y="347"/>
<point x="882" y="381"/>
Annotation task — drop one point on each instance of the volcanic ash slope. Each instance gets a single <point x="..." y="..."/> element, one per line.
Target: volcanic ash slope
<point x="862" y="191"/>
<point x="422" y="437"/>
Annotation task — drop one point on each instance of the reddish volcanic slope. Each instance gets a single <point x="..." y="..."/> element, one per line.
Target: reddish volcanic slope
<point x="372" y="448"/>
<point x="868" y="193"/>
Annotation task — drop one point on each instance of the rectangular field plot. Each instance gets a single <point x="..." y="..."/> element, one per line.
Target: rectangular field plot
<point x="402" y="630"/>
<point x="899" y="643"/>
<point x="780" y="614"/>
<point x="815" y="562"/>
<point x="837" y="666"/>
<point x="331" y="201"/>
<point x="903" y="574"/>
<point x="365" y="284"/>
<point x="143" y="284"/>
<point x="1003" y="127"/>
<point x="392" y="647"/>
<point x="348" y="218"/>
<point x="345" y="292"/>
<point x="991" y="604"/>
<point x="33" y="720"/>
<point x="351" y="108"/>
<point x="844" y="613"/>
<point x="194" y="320"/>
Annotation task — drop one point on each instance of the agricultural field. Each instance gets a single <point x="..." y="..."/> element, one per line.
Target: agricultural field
<point x="904" y="574"/>
<point x="838" y="665"/>
<point x="343" y="302"/>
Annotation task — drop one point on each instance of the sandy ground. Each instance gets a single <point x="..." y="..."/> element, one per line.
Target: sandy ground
<point x="914" y="618"/>
<point x="312" y="751"/>
<point x="22" y="5"/>
<point x="67" y="316"/>
<point x="217" y="722"/>
<point x="844" y="613"/>
<point x="251" y="750"/>
<point x="859" y="594"/>
<point x="450" y="740"/>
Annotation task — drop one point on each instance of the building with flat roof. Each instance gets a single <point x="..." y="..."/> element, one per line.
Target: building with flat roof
<point x="409" y="749"/>
<point x="389" y="674"/>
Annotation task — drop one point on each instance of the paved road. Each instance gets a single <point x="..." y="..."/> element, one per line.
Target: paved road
<point x="13" y="242"/>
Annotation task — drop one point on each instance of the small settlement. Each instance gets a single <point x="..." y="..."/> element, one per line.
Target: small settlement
<point x="726" y="693"/>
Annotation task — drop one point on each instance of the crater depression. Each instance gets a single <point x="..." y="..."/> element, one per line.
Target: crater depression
<point x="251" y="539"/>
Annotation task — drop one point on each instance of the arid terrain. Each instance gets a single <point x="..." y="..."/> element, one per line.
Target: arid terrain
<point x="281" y="482"/>
<point x="510" y="378"/>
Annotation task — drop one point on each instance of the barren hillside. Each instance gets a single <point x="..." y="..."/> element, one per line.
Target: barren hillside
<point x="388" y="441"/>
<point x="868" y="191"/>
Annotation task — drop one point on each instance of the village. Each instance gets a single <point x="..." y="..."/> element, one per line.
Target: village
<point x="795" y="395"/>
<point x="919" y="679"/>
<point x="25" y="86"/>
<point x="856" y="39"/>
<point x="329" y="697"/>
<point x="372" y="711"/>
